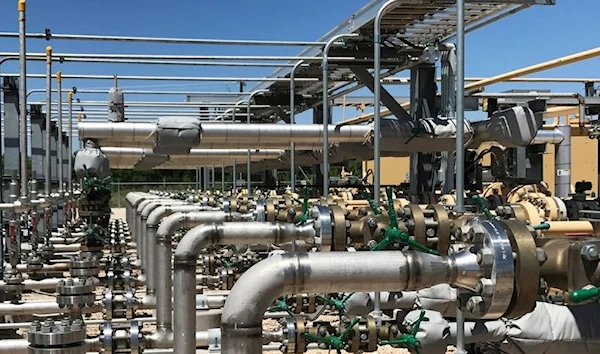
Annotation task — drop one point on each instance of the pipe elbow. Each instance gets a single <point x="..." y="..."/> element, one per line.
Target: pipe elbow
<point x="169" y="225"/>
<point x="256" y="289"/>
<point x="192" y="242"/>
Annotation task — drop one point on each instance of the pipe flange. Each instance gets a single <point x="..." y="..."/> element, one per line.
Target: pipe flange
<point x="130" y="303"/>
<point x="290" y="332"/>
<point x="494" y="290"/>
<point x="85" y="260"/>
<point x="261" y="213"/>
<point x="76" y="286"/>
<point x="84" y="272"/>
<point x="75" y="301"/>
<point x="107" y="301"/>
<point x="419" y="229"/>
<point x="527" y="269"/>
<point x="339" y="228"/>
<point x="107" y="337"/>
<point x="440" y="214"/>
<point x="134" y="338"/>
<point x="51" y="333"/>
<point x="323" y="226"/>
<point x="77" y="349"/>
<point x="226" y="204"/>
<point x="270" y="210"/>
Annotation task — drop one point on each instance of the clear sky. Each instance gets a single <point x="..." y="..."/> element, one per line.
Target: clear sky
<point x="531" y="36"/>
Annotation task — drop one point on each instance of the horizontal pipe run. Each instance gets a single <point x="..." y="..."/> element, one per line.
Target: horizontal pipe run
<point x="166" y="40"/>
<point x="220" y="133"/>
<point x="320" y="273"/>
<point x="40" y="307"/>
<point x="166" y="78"/>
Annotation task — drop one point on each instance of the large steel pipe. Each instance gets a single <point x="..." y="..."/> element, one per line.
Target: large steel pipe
<point x="39" y="307"/>
<point x="314" y="273"/>
<point x="164" y="233"/>
<point x="186" y="254"/>
<point x="222" y="132"/>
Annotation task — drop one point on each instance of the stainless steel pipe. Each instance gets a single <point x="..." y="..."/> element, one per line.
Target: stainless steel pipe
<point x="314" y="273"/>
<point x="187" y="253"/>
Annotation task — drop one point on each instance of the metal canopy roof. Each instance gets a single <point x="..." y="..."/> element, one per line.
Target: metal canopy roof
<point x="420" y="22"/>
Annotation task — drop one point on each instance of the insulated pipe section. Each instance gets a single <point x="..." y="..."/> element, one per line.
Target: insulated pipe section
<point x="315" y="273"/>
<point x="187" y="252"/>
<point x="247" y="134"/>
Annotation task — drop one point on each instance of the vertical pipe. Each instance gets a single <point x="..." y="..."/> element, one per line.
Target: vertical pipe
<point x="212" y="177"/>
<point x="562" y="164"/>
<point x="293" y="121"/>
<point x="164" y="305"/>
<point x="460" y="105"/>
<point x="460" y="158"/>
<point x="377" y="313"/>
<point x="23" y="100"/>
<point x="70" y="142"/>
<point x="48" y="170"/>
<point x="222" y="177"/>
<point x="60" y="136"/>
<point x="326" y="113"/>
<point x="233" y="175"/>
<point x="249" y="162"/>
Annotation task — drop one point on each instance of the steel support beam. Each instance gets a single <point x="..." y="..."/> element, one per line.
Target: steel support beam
<point x="386" y="98"/>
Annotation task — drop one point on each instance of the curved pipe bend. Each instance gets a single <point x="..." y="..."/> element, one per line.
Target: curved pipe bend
<point x="189" y="248"/>
<point x="287" y="274"/>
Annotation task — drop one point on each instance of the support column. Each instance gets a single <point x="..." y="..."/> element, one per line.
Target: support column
<point x="423" y="93"/>
<point x="54" y="165"/>
<point x="562" y="163"/>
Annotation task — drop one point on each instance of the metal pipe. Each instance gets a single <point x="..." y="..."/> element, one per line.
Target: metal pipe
<point x="181" y="57"/>
<point x="223" y="178"/>
<point x="252" y="134"/>
<point x="377" y="313"/>
<point x="171" y="78"/>
<point x="89" y="37"/>
<point x="562" y="163"/>
<point x="185" y="265"/>
<point x="156" y="211"/>
<point x="47" y="166"/>
<point x="249" y="162"/>
<point x="23" y="100"/>
<point x="293" y="121"/>
<point x="28" y="284"/>
<point x="60" y="136"/>
<point x="316" y="273"/>
<point x="326" y="114"/>
<point x="39" y="307"/>
<point x="70" y="142"/>
<point x="164" y="234"/>
<point x="234" y="186"/>
<point x="460" y="152"/>
<point x="553" y="136"/>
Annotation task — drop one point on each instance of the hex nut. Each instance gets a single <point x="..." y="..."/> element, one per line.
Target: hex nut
<point x="485" y="287"/>
<point x="589" y="252"/>
<point x="476" y="234"/>
<point x="485" y="257"/>
<point x="541" y="255"/>
<point x="475" y="305"/>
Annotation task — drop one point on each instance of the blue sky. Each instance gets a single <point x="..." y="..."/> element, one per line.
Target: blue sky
<point x="531" y="36"/>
